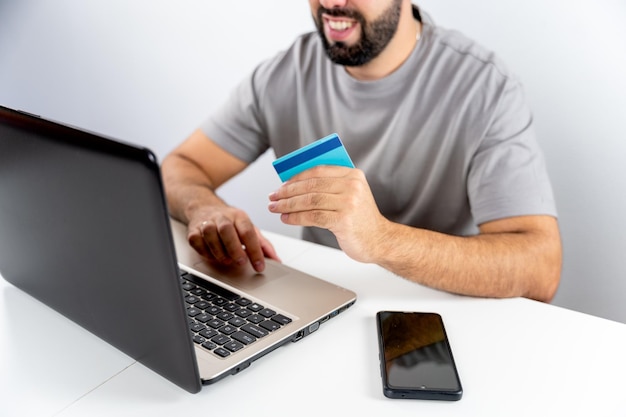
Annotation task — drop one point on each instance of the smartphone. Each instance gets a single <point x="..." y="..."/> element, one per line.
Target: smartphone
<point x="415" y="357"/>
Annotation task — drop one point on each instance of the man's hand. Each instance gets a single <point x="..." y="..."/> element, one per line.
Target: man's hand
<point x="217" y="231"/>
<point x="510" y="257"/>
<point x="335" y="198"/>
<point x="227" y="236"/>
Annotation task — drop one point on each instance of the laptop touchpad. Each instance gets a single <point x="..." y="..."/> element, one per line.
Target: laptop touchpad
<point x="244" y="277"/>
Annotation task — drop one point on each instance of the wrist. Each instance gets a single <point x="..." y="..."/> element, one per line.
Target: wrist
<point x="392" y="243"/>
<point x="383" y="243"/>
<point x="200" y="199"/>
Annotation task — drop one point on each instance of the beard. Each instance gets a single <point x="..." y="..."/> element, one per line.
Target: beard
<point x="375" y="35"/>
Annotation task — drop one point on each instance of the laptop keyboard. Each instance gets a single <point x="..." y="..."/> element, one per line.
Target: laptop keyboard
<point x="224" y="322"/>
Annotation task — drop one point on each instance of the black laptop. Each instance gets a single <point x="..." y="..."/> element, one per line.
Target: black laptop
<point x="84" y="228"/>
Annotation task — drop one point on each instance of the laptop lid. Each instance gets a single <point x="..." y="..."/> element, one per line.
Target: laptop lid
<point x="84" y="228"/>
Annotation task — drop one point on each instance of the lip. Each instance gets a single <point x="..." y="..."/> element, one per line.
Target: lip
<point x="335" y="35"/>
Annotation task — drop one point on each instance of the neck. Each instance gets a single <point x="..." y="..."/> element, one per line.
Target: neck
<point x="396" y="52"/>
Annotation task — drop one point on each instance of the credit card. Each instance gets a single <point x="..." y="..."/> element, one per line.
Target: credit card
<point x="325" y="151"/>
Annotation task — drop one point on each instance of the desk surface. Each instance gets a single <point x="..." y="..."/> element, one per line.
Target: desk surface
<point x="516" y="357"/>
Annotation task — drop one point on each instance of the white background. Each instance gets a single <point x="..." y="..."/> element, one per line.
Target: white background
<point x="149" y="71"/>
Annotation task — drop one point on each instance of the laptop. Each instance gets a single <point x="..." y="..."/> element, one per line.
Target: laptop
<point x="84" y="228"/>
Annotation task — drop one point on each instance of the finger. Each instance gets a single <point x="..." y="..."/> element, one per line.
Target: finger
<point x="268" y="249"/>
<point x="308" y="186"/>
<point x="196" y="241"/>
<point x="306" y="202"/>
<point x="321" y="171"/>
<point x="230" y="242"/>
<point x="300" y="184"/>
<point x="213" y="242"/>
<point x="250" y="238"/>
<point x="318" y="218"/>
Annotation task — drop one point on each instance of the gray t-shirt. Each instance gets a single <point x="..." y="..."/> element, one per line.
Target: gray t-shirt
<point x="446" y="141"/>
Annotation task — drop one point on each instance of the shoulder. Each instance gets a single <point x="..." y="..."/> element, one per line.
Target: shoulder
<point x="469" y="77"/>
<point x="301" y="55"/>
<point x="463" y="55"/>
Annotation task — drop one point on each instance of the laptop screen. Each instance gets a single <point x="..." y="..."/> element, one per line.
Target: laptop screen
<point x="84" y="228"/>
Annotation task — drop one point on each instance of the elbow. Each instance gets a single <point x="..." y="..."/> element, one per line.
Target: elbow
<point x="548" y="278"/>
<point x="550" y="287"/>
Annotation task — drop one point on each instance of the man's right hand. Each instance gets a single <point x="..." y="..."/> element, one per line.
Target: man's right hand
<point x="217" y="231"/>
<point x="227" y="236"/>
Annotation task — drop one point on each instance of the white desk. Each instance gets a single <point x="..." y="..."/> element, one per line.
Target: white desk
<point x="516" y="357"/>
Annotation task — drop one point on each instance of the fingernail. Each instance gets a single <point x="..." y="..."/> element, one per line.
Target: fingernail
<point x="271" y="206"/>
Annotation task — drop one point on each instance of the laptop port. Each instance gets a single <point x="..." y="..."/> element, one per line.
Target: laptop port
<point x="298" y="336"/>
<point x="314" y="327"/>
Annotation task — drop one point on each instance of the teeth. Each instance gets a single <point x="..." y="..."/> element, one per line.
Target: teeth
<point x="339" y="25"/>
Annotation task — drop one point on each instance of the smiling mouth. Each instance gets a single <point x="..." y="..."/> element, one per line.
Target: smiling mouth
<point x="340" y="25"/>
<point x="339" y="29"/>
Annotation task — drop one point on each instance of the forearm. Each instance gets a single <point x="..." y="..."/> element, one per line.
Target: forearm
<point x="495" y="264"/>
<point x="186" y="188"/>
<point x="219" y="232"/>
<point x="515" y="256"/>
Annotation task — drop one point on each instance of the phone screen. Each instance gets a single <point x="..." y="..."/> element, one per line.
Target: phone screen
<point x="416" y="359"/>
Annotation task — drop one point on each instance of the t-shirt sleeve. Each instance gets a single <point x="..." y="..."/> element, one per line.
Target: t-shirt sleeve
<point x="237" y="126"/>
<point x="508" y="175"/>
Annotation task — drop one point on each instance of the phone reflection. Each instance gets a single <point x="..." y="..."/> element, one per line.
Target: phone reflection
<point x="416" y="353"/>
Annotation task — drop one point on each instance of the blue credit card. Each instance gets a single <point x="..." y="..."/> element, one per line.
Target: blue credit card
<point x="325" y="151"/>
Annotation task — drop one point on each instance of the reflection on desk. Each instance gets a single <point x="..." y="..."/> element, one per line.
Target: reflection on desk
<point x="516" y="357"/>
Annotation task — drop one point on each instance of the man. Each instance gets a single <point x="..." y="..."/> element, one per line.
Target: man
<point x="450" y="189"/>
